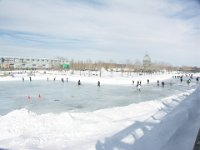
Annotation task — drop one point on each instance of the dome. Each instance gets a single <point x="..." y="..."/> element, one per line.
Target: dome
<point x="146" y="62"/>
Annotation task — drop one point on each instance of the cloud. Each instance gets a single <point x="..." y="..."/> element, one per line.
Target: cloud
<point x="103" y="29"/>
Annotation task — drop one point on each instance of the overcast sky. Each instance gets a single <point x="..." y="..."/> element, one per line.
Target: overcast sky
<point x="168" y="30"/>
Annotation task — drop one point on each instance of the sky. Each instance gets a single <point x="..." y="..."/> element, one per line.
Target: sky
<point x="117" y="30"/>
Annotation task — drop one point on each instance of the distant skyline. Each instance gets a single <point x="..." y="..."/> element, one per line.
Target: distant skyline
<point x="118" y="30"/>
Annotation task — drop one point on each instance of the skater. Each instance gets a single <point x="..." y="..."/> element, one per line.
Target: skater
<point x="158" y="83"/>
<point x="181" y="79"/>
<point x="197" y="79"/>
<point x="62" y="80"/>
<point x="23" y="79"/>
<point x="139" y="87"/>
<point x="188" y="82"/>
<point x="138" y="83"/>
<point x="39" y="96"/>
<point x="54" y="79"/>
<point x="30" y="79"/>
<point x="79" y="82"/>
<point x="66" y="79"/>
<point x="163" y="84"/>
<point x="29" y="98"/>
<point x="133" y="82"/>
<point x="98" y="83"/>
<point x="147" y="81"/>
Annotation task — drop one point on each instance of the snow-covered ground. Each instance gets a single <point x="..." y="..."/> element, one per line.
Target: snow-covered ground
<point x="166" y="124"/>
<point x="112" y="78"/>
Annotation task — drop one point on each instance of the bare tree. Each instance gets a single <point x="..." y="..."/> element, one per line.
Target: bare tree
<point x="138" y="66"/>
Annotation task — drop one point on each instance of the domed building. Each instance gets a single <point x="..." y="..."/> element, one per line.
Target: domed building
<point x="146" y="62"/>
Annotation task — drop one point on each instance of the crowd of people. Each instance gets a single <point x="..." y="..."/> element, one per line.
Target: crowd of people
<point x="139" y="83"/>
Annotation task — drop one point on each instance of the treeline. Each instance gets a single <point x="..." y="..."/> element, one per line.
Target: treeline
<point x="112" y="66"/>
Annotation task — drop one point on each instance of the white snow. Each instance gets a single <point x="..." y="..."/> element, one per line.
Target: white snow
<point x="115" y="78"/>
<point x="170" y="123"/>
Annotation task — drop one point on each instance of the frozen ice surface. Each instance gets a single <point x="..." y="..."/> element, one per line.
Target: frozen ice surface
<point x="67" y="116"/>
<point x="56" y="97"/>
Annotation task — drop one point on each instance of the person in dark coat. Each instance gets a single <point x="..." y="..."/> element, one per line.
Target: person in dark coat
<point x="79" y="82"/>
<point x="163" y="84"/>
<point x="147" y="81"/>
<point x="181" y="79"/>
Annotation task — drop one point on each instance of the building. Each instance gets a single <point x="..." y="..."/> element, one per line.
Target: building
<point x="32" y="63"/>
<point x="146" y="62"/>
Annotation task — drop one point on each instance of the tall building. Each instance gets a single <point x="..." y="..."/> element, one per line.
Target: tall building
<point x="146" y="62"/>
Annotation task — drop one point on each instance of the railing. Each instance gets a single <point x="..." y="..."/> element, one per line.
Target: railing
<point x="197" y="142"/>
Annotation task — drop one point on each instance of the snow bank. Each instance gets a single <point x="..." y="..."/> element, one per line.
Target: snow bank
<point x="178" y="130"/>
<point x="172" y="132"/>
